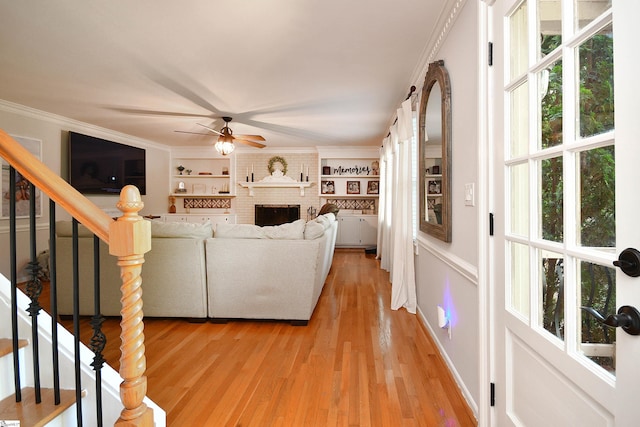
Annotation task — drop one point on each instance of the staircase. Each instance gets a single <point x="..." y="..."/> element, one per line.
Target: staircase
<point x="27" y="411"/>
<point x="46" y="412"/>
<point x="47" y="376"/>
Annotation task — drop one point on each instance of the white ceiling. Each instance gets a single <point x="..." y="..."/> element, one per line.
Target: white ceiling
<point x="298" y="72"/>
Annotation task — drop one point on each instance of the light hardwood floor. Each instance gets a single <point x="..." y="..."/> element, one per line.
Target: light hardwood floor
<point x="357" y="363"/>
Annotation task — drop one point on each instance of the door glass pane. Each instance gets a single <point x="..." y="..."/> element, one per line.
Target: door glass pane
<point x="550" y="90"/>
<point x="520" y="199"/>
<point x="598" y="291"/>
<point x="551" y="199"/>
<point x="597" y="197"/>
<point x="518" y="38"/>
<point x="595" y="58"/>
<point x="549" y="25"/>
<point x="552" y="293"/>
<point x="520" y="120"/>
<point x="588" y="10"/>
<point x="520" y="278"/>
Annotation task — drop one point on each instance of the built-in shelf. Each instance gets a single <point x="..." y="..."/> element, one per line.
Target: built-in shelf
<point x="351" y="176"/>
<point x="252" y="185"/>
<point x="201" y="176"/>
<point x="201" y="195"/>
<point x="349" y="196"/>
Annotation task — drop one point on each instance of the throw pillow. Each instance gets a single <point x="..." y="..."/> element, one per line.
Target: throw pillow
<point x="324" y="221"/>
<point x="330" y="216"/>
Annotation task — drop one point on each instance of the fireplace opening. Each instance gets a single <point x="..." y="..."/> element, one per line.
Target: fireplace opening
<point x="276" y="214"/>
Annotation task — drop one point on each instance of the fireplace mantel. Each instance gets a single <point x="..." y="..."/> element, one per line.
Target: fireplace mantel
<point x="294" y="184"/>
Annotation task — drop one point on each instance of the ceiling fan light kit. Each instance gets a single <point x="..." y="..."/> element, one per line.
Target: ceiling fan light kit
<point x="225" y="144"/>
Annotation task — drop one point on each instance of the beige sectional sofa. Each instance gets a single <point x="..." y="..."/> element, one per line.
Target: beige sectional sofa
<point x="244" y="271"/>
<point x="269" y="272"/>
<point x="174" y="282"/>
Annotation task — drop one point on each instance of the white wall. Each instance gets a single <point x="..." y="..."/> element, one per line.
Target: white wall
<point x="446" y="273"/>
<point x="52" y="131"/>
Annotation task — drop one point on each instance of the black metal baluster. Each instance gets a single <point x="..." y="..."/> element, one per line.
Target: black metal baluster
<point x="14" y="282"/>
<point x="98" y="340"/>
<point x="76" y="320"/>
<point x="53" y="291"/>
<point x="34" y="289"/>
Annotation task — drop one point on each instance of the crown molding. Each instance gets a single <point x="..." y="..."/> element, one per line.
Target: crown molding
<point x="449" y="13"/>
<point x="76" y="125"/>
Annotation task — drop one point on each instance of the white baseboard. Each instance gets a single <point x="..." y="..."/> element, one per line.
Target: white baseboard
<point x="456" y="376"/>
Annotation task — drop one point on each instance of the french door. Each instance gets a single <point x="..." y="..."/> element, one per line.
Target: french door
<point x="566" y="135"/>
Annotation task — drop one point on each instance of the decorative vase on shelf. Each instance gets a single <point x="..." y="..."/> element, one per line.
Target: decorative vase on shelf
<point x="172" y="207"/>
<point x="180" y="169"/>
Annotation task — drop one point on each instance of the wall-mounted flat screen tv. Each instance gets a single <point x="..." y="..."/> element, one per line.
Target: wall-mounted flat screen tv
<point x="98" y="166"/>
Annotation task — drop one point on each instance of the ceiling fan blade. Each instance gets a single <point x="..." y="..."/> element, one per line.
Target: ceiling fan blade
<point x="251" y="143"/>
<point x="140" y="111"/>
<point x="193" y="133"/>
<point x="211" y="129"/>
<point x="254" y="137"/>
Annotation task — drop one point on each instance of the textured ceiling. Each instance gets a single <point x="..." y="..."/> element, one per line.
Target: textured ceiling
<point x="298" y="72"/>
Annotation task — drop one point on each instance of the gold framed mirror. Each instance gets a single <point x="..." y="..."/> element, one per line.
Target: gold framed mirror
<point x="434" y="133"/>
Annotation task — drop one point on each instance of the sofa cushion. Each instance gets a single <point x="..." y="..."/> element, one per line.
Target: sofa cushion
<point x="238" y="231"/>
<point x="63" y="229"/>
<point x="185" y="230"/>
<point x="313" y="230"/>
<point x="289" y="231"/>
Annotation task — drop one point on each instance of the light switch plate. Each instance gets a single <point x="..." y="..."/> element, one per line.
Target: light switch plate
<point x="469" y="195"/>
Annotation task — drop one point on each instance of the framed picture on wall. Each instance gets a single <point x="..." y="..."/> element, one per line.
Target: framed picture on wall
<point x="23" y="187"/>
<point x="328" y="187"/>
<point x="353" y="187"/>
<point x="373" y="187"/>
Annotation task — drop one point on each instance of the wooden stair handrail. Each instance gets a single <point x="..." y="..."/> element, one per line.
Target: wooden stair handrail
<point x="36" y="172"/>
<point x="129" y="238"/>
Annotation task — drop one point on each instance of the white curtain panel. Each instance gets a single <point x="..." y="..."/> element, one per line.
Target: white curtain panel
<point x="403" y="286"/>
<point x="386" y="205"/>
<point x="395" y="227"/>
<point x="382" y="198"/>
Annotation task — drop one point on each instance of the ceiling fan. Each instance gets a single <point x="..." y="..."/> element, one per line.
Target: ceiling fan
<point x="225" y="144"/>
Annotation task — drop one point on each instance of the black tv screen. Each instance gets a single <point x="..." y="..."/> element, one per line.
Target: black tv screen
<point x="98" y="166"/>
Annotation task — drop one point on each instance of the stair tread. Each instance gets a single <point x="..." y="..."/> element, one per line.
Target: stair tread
<point x="32" y="414"/>
<point x="6" y="345"/>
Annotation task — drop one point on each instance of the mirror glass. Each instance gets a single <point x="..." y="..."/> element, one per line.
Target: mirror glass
<point x="435" y="153"/>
